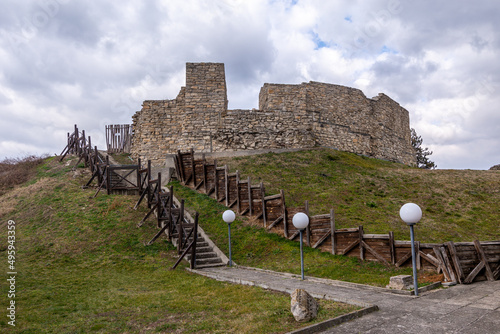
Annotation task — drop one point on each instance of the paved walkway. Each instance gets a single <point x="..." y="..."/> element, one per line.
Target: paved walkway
<point x="471" y="308"/>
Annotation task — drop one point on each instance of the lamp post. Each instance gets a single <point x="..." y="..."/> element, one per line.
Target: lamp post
<point x="411" y="214"/>
<point x="300" y="221"/>
<point x="228" y="216"/>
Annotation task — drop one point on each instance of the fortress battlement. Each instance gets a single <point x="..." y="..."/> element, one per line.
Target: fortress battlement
<point x="289" y="116"/>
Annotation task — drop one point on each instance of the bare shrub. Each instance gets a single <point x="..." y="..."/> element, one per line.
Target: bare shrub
<point x="14" y="171"/>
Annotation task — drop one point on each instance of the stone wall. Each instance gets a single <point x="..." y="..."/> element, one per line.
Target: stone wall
<point x="289" y="116"/>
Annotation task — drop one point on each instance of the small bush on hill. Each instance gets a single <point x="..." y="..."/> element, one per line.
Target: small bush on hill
<point x="14" y="171"/>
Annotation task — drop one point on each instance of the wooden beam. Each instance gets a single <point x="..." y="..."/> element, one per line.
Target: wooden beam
<point x="216" y="182"/>
<point x="417" y="254"/>
<point x="308" y="228"/>
<point x="277" y="221"/>
<point x="180" y="164"/>
<point x="198" y="186"/>
<point x="456" y="261"/>
<point x="482" y="257"/>
<point x="205" y="176"/>
<point x="431" y="259"/>
<point x="108" y="176"/>
<point x="285" y="221"/>
<point x="272" y="197"/>
<point x="193" y="169"/>
<point x="349" y="248"/>
<point x="392" y="250"/>
<point x="294" y="235"/>
<point x="473" y="273"/>
<point x="448" y="264"/>
<point x="374" y="253"/>
<point x="332" y="230"/>
<point x="210" y="191"/>
<point x="264" y="208"/>
<point x="143" y="220"/>
<point x="226" y="177"/>
<point x="440" y="258"/>
<point x="238" y="196"/>
<point x="496" y="273"/>
<point x="361" y="249"/>
<point x="250" y="201"/>
<point x="322" y="239"/>
<point x="403" y="259"/>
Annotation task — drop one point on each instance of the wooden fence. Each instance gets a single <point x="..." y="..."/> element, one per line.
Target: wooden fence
<point x="77" y="143"/>
<point x="138" y="179"/>
<point x="462" y="262"/>
<point x="118" y="138"/>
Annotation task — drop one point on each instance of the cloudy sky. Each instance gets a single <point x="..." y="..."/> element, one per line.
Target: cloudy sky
<point x="92" y="63"/>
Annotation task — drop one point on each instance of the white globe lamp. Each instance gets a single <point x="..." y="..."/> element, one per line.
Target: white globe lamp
<point x="411" y="214"/>
<point x="228" y="216"/>
<point x="300" y="220"/>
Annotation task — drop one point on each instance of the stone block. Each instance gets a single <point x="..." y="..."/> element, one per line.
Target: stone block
<point x="303" y="306"/>
<point x="401" y="282"/>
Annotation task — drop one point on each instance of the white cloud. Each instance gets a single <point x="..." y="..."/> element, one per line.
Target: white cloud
<point x="92" y="63"/>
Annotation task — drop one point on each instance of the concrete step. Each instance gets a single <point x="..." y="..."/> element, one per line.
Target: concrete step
<point x="210" y="265"/>
<point x="207" y="255"/>
<point x="176" y="235"/>
<point x="200" y="250"/>
<point x="215" y="260"/>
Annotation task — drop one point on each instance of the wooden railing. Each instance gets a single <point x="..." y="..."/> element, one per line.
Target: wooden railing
<point x="463" y="262"/>
<point x="170" y="217"/>
<point x="118" y="138"/>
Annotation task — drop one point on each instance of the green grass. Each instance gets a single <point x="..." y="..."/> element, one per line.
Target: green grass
<point x="123" y="158"/>
<point x="254" y="246"/>
<point x="458" y="205"/>
<point x="83" y="268"/>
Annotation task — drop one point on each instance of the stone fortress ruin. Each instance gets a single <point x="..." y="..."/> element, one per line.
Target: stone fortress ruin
<point x="289" y="116"/>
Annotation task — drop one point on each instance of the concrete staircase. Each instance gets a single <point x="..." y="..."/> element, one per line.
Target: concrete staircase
<point x="207" y="254"/>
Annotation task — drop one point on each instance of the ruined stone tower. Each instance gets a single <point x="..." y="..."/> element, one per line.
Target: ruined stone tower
<point x="289" y="116"/>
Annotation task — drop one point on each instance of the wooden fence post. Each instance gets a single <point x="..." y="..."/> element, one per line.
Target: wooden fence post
<point x="148" y="181"/>
<point x="226" y="177"/>
<point x="392" y="249"/>
<point x="108" y="176"/>
<point x="482" y="258"/>
<point x="193" y="166"/>
<point x="332" y="229"/>
<point x="250" y="200"/>
<point x="84" y="143"/>
<point x="216" y="182"/>
<point x="77" y="137"/>
<point x="180" y="229"/>
<point x="308" y="228"/>
<point x="417" y="253"/>
<point x="195" y="239"/>
<point x="361" y="248"/>
<point x="238" y="197"/>
<point x="263" y="195"/>
<point x="456" y="261"/>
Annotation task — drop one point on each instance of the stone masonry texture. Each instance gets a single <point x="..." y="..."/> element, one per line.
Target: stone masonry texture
<point x="289" y="116"/>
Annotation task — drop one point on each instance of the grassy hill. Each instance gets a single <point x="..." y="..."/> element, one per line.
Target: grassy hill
<point x="82" y="267"/>
<point x="457" y="205"/>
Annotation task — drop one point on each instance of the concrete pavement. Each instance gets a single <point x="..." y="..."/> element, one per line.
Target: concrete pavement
<point x="471" y="308"/>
